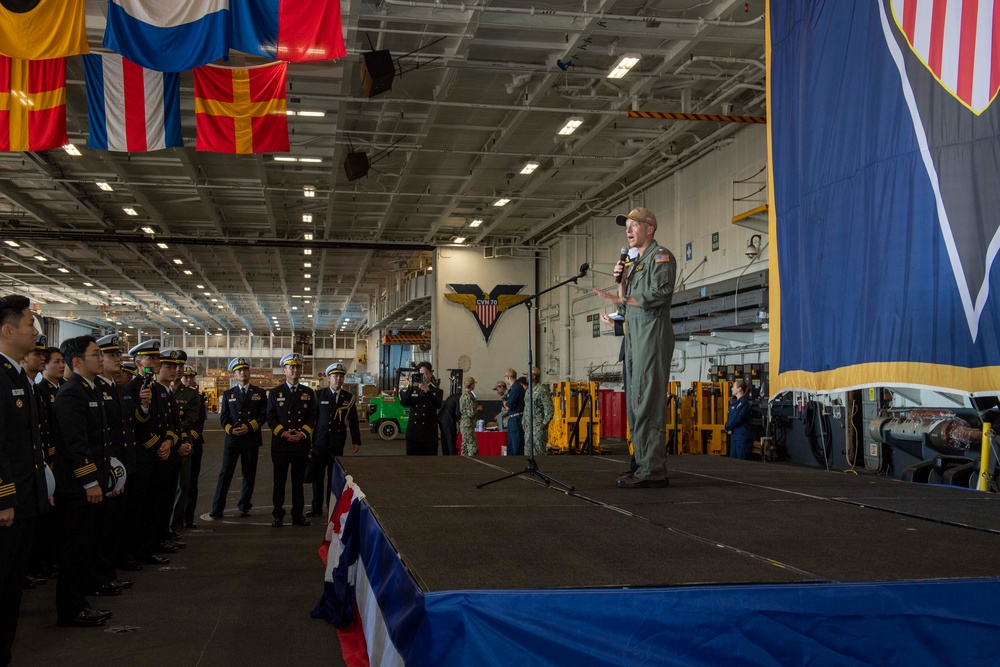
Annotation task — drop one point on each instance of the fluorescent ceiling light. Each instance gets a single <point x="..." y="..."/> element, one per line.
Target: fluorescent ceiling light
<point x="104" y="185"/>
<point x="163" y="246"/>
<point x="307" y="265"/>
<point x="13" y="244"/>
<point x="89" y="284"/>
<point x="307" y="251"/>
<point x="529" y="167"/>
<point x="72" y="150"/>
<point x="40" y="258"/>
<point x="459" y="239"/>
<point x="307" y="276"/>
<point x="214" y="300"/>
<point x="188" y="272"/>
<point x="310" y="159"/>
<point x="503" y="201"/>
<point x="310" y="316"/>
<point x="309" y="236"/>
<point x="570" y="126"/>
<point x="131" y="211"/>
<point x="408" y="319"/>
<point x="475" y="223"/>
<point x="146" y="230"/>
<point x="309" y="114"/>
<point x="285" y="158"/>
<point x="307" y="217"/>
<point x="624" y="64"/>
<point x="306" y="289"/>
<point x="309" y="191"/>
<point x="178" y="260"/>
<point x="295" y="307"/>
<point x="200" y="286"/>
<point x="63" y="270"/>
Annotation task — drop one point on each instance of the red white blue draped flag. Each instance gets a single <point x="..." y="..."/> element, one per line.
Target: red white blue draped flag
<point x="292" y="30"/>
<point x="884" y="140"/>
<point x="168" y="36"/>
<point x="339" y="551"/>
<point x="131" y="108"/>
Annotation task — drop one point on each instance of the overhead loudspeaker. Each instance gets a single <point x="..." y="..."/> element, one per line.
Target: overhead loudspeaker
<point x="377" y="71"/>
<point x="356" y="165"/>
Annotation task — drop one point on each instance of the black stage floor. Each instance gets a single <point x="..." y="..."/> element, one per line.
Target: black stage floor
<point x="720" y="521"/>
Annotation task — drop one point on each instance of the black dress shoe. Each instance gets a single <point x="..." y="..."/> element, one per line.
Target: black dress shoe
<point x="31" y="582"/>
<point x="633" y="482"/>
<point x="176" y="544"/>
<point x="87" y="618"/>
<point x="123" y="584"/>
<point x="190" y="524"/>
<point x="215" y="515"/>
<point x="131" y="565"/>
<point x="314" y="513"/>
<point x="174" y="535"/>
<point x="105" y="613"/>
<point x="165" y="548"/>
<point x="277" y="523"/>
<point x="244" y="512"/>
<point x="301" y="522"/>
<point x="156" y="560"/>
<point x="107" y="590"/>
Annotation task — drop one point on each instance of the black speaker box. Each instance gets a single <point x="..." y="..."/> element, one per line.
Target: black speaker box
<point x="356" y="165"/>
<point x="377" y="70"/>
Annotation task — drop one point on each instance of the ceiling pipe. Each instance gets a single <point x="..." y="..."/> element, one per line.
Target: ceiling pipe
<point x="600" y="16"/>
<point x="721" y="59"/>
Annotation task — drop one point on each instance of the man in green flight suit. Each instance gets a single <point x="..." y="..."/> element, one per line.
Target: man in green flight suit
<point x="643" y="298"/>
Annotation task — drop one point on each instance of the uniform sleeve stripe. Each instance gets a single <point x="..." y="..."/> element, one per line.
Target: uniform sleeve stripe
<point x="149" y="443"/>
<point x="85" y="470"/>
<point x="307" y="429"/>
<point x="278" y="429"/>
<point x="254" y="425"/>
<point x="7" y="490"/>
<point x="229" y="428"/>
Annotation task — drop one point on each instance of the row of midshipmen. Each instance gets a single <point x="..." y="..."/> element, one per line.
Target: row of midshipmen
<point x="99" y="470"/>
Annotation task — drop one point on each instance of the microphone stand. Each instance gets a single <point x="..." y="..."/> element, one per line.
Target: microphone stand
<point x="532" y="466"/>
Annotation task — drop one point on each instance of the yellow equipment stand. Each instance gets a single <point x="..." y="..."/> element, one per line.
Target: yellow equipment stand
<point x="568" y="399"/>
<point x="703" y="411"/>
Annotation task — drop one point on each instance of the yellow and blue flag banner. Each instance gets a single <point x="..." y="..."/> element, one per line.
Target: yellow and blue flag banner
<point x="885" y="187"/>
<point x="43" y="29"/>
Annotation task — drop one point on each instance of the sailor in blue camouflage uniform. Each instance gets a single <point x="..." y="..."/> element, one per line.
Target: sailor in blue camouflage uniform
<point x="23" y="494"/>
<point x="337" y="415"/>
<point x="243" y="413"/>
<point x="291" y="416"/>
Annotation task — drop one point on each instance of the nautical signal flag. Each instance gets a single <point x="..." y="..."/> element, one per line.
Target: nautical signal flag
<point x="291" y="30"/>
<point x="43" y="29"/>
<point x="131" y="108"/>
<point x="32" y="104"/>
<point x="241" y="110"/>
<point x="168" y="36"/>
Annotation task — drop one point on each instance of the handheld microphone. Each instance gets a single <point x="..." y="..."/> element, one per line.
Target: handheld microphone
<point x="584" y="268"/>
<point x="147" y="377"/>
<point x="618" y="278"/>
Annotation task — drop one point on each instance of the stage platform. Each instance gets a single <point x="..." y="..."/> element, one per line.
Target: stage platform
<point x="735" y="562"/>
